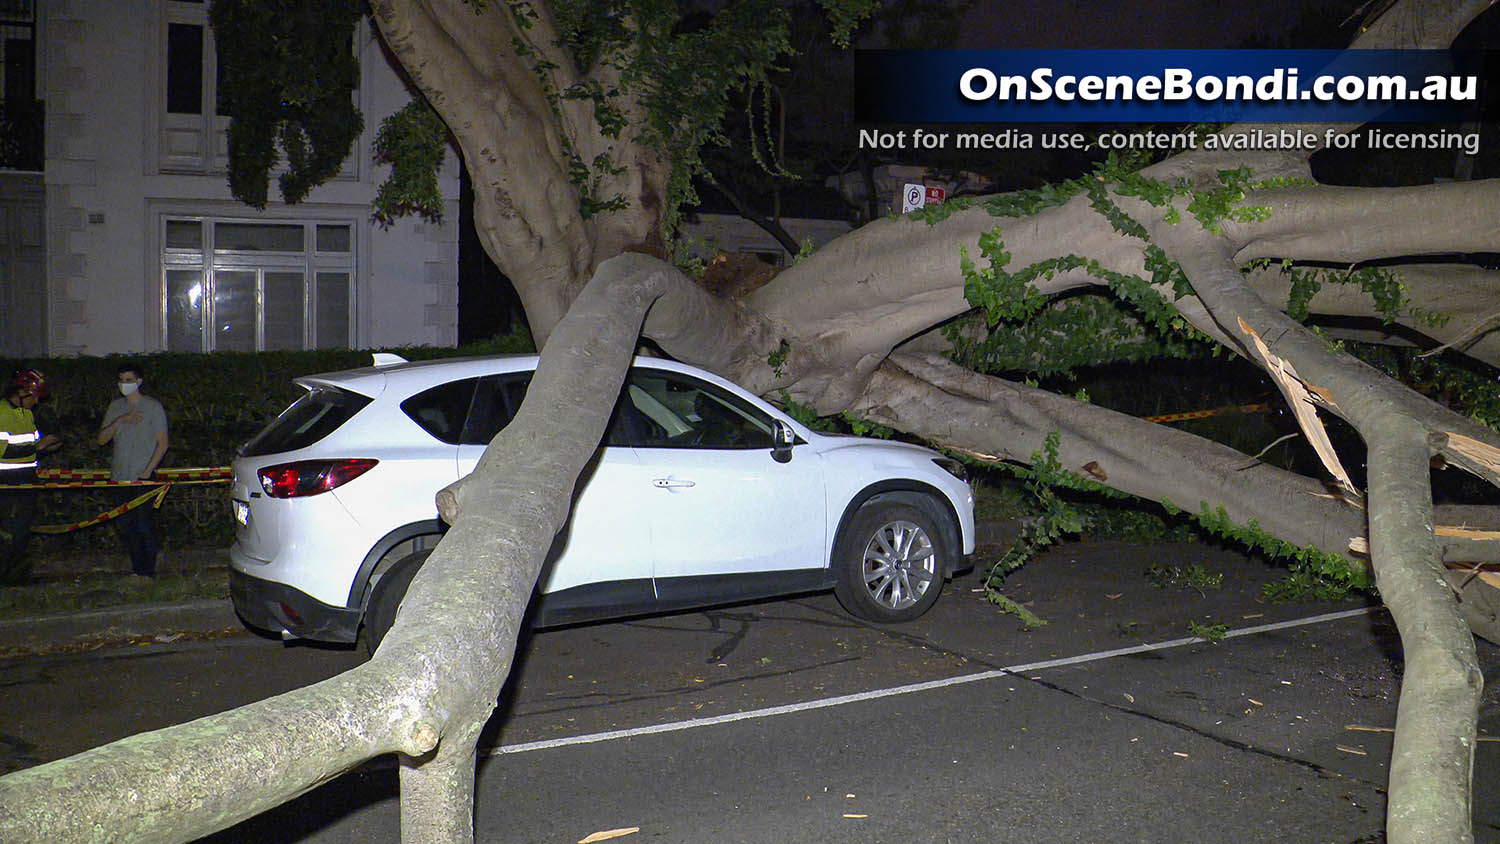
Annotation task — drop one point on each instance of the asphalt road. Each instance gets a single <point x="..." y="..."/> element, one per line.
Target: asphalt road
<point x="789" y="722"/>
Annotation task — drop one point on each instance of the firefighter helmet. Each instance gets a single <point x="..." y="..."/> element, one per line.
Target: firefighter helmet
<point x="29" y="381"/>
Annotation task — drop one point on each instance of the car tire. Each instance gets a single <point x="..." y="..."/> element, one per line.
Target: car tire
<point x="385" y="600"/>
<point x="890" y="561"/>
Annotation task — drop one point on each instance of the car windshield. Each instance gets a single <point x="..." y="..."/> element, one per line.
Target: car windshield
<point x="311" y="418"/>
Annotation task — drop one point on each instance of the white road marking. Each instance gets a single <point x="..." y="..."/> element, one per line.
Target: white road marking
<point x="875" y="694"/>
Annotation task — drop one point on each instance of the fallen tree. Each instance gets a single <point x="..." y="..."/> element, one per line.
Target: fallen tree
<point x="436" y="677"/>
<point x="578" y="143"/>
<point x="835" y="324"/>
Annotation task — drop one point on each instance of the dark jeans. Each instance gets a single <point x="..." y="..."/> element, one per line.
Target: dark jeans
<point x="17" y="509"/>
<point x="137" y="529"/>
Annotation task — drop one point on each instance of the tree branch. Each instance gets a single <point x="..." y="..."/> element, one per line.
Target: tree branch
<point x="766" y="224"/>
<point x="954" y="407"/>
<point x="1346" y="224"/>
<point x="1432" y="763"/>
<point x="1346" y="386"/>
<point x="1464" y="293"/>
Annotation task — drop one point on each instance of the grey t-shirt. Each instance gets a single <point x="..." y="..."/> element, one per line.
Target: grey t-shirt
<point x="134" y="442"/>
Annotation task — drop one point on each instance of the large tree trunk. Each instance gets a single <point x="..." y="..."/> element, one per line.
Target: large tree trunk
<point x="520" y="141"/>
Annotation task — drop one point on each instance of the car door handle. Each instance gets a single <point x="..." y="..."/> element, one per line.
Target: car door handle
<point x="671" y="483"/>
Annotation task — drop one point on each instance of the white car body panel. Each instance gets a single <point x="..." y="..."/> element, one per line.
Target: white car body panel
<point x="735" y="511"/>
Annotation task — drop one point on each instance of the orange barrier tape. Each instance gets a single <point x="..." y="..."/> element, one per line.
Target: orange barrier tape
<point x="1204" y="414"/>
<point x="168" y="474"/>
<point x="162" y="481"/>
<point x="87" y="478"/>
<point x="158" y="494"/>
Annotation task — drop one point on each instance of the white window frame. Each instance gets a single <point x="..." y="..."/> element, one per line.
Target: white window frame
<point x="209" y="261"/>
<point x="199" y="143"/>
<point x="190" y="143"/>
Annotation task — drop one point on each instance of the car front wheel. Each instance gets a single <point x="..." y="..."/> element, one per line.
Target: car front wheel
<point x="889" y="564"/>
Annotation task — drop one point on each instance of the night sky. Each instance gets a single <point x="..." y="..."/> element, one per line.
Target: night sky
<point x="1139" y="24"/>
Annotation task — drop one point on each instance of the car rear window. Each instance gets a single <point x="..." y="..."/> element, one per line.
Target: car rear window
<point x="311" y="418"/>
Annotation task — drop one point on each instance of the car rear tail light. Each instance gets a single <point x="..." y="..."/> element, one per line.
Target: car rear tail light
<point x="311" y="477"/>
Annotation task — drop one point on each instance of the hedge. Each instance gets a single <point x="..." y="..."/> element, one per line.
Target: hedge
<point x="215" y="402"/>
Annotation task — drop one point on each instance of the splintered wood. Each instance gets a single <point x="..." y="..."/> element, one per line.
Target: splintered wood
<point x="1461" y="532"/>
<point x="1484" y="454"/>
<point x="1489" y="576"/>
<point x="1361" y="545"/>
<point x="1304" y="399"/>
<point x="608" y="834"/>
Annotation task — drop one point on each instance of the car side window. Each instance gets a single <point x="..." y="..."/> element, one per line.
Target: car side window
<point x="496" y="400"/>
<point x="441" y="410"/>
<point x="671" y="410"/>
<point x="498" y="397"/>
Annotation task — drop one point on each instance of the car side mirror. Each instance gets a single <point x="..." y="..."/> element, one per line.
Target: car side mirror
<point x="782" y="438"/>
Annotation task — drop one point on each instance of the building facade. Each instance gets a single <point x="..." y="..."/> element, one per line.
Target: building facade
<point x="143" y="247"/>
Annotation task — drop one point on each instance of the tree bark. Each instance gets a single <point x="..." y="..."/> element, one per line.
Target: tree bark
<point x="1347" y="225"/>
<point x="1432" y="763"/>
<point x="437" y="790"/>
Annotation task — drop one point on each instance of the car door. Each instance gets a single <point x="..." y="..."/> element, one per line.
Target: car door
<point x="602" y="558"/>
<point x="727" y="520"/>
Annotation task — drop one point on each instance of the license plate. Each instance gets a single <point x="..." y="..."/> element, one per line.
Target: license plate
<point x="241" y="513"/>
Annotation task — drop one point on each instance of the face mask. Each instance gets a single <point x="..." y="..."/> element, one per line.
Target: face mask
<point x="127" y="389"/>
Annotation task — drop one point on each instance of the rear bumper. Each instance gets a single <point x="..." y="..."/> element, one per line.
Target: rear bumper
<point x="282" y="609"/>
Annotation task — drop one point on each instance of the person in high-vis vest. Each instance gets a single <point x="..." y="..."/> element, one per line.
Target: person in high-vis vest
<point x="20" y="444"/>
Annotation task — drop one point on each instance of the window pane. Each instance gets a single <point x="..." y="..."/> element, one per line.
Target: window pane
<point x="676" y="411"/>
<point x="185" y="234"/>
<point x="184" y="68"/>
<point x="495" y="404"/>
<point x="333" y="311"/>
<point x="234" y="311"/>
<point x="310" y="418"/>
<point x="258" y="237"/>
<point x="630" y="426"/>
<point x="185" y="310"/>
<point x="441" y="410"/>
<point x="284" y="311"/>
<point x="333" y="238"/>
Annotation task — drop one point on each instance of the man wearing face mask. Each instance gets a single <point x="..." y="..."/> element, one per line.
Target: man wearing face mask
<point x="137" y="425"/>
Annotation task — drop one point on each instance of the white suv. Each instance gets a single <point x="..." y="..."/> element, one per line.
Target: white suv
<point x="700" y="494"/>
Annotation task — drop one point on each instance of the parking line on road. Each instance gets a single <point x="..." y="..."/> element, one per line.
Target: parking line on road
<point x="930" y="685"/>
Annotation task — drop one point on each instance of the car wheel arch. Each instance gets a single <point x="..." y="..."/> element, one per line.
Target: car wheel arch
<point x="385" y="597"/>
<point x="920" y="495"/>
<point x="380" y="556"/>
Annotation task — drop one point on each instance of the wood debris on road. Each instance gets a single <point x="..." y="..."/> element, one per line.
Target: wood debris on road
<point x="607" y="834"/>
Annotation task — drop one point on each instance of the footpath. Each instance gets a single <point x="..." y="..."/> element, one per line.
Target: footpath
<point x="124" y="624"/>
<point x="118" y="626"/>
